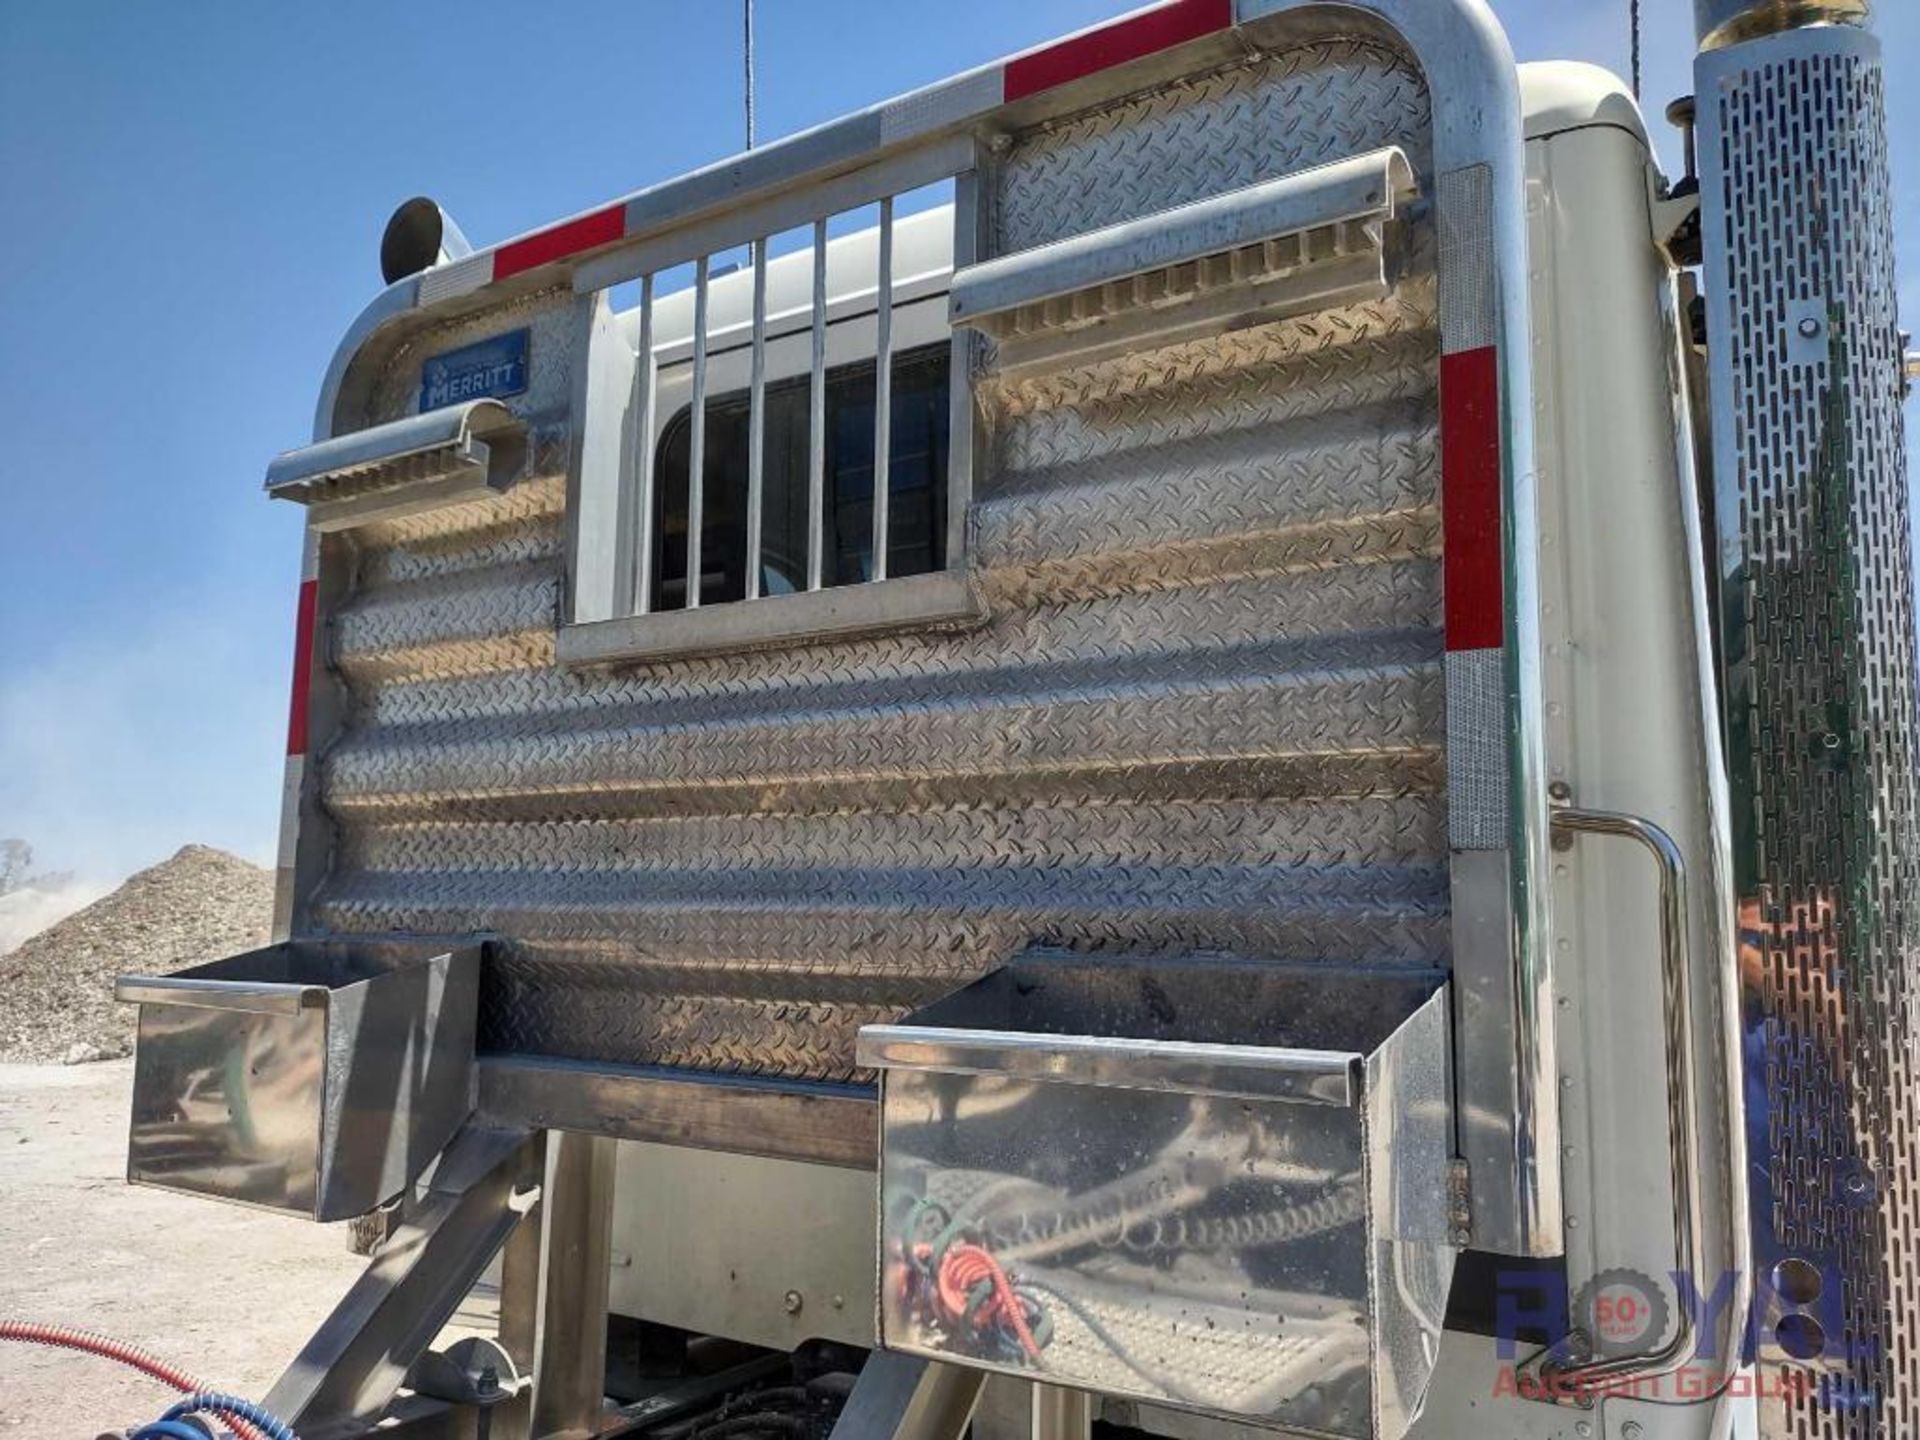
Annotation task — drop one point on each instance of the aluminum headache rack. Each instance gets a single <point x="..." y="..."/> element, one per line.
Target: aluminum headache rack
<point x="1074" y="654"/>
<point x="1051" y="285"/>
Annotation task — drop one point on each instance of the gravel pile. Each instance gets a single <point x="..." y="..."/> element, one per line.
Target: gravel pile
<point x="56" y="989"/>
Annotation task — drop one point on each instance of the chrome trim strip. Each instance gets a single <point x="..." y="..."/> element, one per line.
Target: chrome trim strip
<point x="1246" y="1072"/>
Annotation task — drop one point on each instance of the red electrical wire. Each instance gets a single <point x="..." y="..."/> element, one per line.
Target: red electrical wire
<point x="962" y="1268"/>
<point x="59" y="1338"/>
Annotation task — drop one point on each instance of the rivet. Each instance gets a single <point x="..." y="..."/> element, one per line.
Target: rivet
<point x="793" y="1302"/>
<point x="1810" y="327"/>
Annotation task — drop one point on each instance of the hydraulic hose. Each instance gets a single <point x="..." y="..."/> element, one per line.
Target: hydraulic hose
<point x="58" y="1337"/>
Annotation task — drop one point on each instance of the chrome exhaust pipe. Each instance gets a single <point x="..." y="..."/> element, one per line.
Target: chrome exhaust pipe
<point x="1728" y="22"/>
<point x="419" y="235"/>
<point x="1817" y="661"/>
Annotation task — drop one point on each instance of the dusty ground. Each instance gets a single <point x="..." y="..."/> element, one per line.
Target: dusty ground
<point x="227" y="1293"/>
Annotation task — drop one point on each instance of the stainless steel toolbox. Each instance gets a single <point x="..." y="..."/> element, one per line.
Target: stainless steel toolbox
<point x="1203" y="1183"/>
<point x="312" y="1077"/>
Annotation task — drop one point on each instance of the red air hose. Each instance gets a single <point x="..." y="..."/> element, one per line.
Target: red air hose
<point x="58" y="1338"/>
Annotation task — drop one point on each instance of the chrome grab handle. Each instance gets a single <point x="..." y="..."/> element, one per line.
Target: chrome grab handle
<point x="1683" y="1104"/>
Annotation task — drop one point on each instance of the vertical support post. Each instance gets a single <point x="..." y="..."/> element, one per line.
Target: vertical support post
<point x="645" y="501"/>
<point x="969" y="246"/>
<point x="519" y="1328"/>
<point x="570" y="1360"/>
<point x="1061" y="1414"/>
<point x="902" y="1397"/>
<point x="817" y="417"/>
<point x="883" y="394"/>
<point x="757" y="423"/>
<point x="697" y="440"/>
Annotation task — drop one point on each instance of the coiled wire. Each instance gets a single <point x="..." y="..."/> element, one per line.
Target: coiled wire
<point x="1155" y="1228"/>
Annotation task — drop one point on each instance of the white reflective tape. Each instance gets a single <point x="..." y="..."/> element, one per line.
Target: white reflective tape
<point x="1477" y="789"/>
<point x="462" y="277"/>
<point x="1469" y="308"/>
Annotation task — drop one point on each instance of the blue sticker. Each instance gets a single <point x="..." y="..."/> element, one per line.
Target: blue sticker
<point x="497" y="366"/>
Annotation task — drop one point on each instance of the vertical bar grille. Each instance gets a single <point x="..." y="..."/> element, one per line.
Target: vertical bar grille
<point x="817" y="416"/>
<point x="728" y="529"/>
<point x="757" y="421"/>
<point x="883" y="391"/>
<point x="644" y="373"/>
<point x="697" y="447"/>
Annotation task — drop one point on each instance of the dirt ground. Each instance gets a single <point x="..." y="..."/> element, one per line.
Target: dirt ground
<point x="226" y="1293"/>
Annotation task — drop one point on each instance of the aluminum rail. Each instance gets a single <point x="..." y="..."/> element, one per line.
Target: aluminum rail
<point x="1256" y="1072"/>
<point x="1367" y="187"/>
<point x="646" y="375"/>
<point x="883" y="394"/>
<point x="249" y="997"/>
<point x="817" y="416"/>
<point x="453" y="430"/>
<point x="697" y="442"/>
<point x="756" y="424"/>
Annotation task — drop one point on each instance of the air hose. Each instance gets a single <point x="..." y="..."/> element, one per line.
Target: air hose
<point x="242" y="1415"/>
<point x="58" y="1337"/>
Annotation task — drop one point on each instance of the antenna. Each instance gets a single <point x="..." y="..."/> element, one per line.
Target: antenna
<point x="749" y="73"/>
<point x="1634" y="20"/>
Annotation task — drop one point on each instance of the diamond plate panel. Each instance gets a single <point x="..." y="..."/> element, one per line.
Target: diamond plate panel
<point x="1271" y="116"/>
<point x="1206" y="712"/>
<point x="1819" y="644"/>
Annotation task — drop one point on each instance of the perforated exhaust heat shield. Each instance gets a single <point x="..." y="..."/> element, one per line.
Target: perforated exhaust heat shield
<point x="1818" y="639"/>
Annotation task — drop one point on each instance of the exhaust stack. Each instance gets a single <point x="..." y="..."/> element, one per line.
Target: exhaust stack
<point x="419" y="235"/>
<point x="1728" y="22"/>
<point x="1817" y="657"/>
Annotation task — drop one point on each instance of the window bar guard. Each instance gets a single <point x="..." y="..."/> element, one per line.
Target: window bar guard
<point x="644" y="375"/>
<point x="817" y="417"/>
<point x="757" y="421"/>
<point x="883" y="394"/>
<point x="697" y="439"/>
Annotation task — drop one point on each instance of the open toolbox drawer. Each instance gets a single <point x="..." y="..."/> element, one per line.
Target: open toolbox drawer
<point x="1203" y="1183"/>
<point x="318" y="1077"/>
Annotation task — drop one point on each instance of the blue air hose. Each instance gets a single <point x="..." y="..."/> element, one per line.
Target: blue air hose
<point x="227" y="1407"/>
<point x="169" y="1430"/>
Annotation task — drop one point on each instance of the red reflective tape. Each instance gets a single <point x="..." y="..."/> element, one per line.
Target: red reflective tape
<point x="600" y="228"/>
<point x="1079" y="56"/>
<point x="302" y="667"/>
<point x="1474" y="558"/>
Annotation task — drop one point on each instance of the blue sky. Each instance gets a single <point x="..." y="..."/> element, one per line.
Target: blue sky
<point x="193" y="200"/>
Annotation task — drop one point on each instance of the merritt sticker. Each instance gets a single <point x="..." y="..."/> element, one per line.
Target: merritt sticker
<point x="491" y="367"/>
